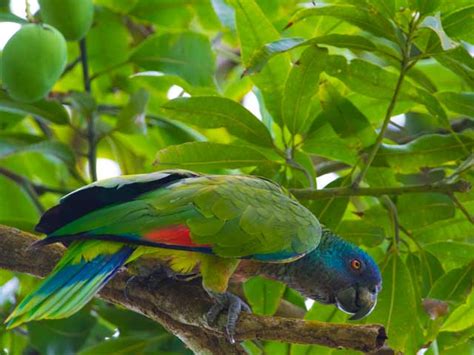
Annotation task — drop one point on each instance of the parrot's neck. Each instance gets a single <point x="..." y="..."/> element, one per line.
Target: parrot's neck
<point x="295" y="274"/>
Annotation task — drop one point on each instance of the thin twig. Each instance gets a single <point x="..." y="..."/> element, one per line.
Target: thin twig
<point x="447" y="188"/>
<point x="404" y="68"/>
<point x="463" y="209"/>
<point x="109" y="69"/>
<point x="71" y="66"/>
<point x="26" y="185"/>
<point x="91" y="138"/>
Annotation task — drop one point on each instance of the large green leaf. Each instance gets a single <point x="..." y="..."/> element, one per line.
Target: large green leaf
<point x="454" y="285"/>
<point x="462" y="102"/>
<point x="51" y="111"/>
<point x="9" y="17"/>
<point x="17" y="144"/>
<point x="205" y="156"/>
<point x="187" y="54"/>
<point x="452" y="253"/>
<point x="428" y="150"/>
<point x="434" y="24"/>
<point x="361" y="233"/>
<point x="371" y="22"/>
<point x="166" y="13"/>
<point x="346" y="120"/>
<point x="269" y="50"/>
<point x="462" y="317"/>
<point x="217" y="112"/>
<point x="328" y="144"/>
<point x="459" y="23"/>
<point x="396" y="308"/>
<point x="68" y="334"/>
<point x="301" y="87"/>
<point x="132" y="117"/>
<point x="424" y="209"/>
<point x="264" y="295"/>
<point x="255" y="30"/>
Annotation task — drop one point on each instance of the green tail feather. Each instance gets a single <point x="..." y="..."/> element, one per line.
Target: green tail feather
<point x="70" y="286"/>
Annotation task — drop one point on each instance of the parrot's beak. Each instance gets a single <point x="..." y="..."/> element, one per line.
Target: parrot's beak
<point x="358" y="301"/>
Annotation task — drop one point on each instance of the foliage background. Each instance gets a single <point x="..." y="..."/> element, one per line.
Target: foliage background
<point x="322" y="104"/>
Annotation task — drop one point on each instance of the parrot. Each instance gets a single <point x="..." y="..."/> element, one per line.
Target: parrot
<point x="196" y="221"/>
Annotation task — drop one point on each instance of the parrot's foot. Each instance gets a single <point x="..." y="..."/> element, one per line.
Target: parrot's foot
<point x="234" y="306"/>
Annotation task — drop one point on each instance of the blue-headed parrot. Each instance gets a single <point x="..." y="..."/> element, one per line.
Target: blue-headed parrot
<point x="208" y="222"/>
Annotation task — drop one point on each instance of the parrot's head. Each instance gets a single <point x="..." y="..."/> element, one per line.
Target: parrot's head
<point x="340" y="273"/>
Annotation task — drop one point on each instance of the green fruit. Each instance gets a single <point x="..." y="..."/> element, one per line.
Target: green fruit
<point x="32" y="61"/>
<point x="73" y="18"/>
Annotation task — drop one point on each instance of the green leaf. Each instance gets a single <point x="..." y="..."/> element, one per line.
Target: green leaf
<point x="9" y="17"/>
<point x="48" y="110"/>
<point x="187" y="54"/>
<point x="301" y="87"/>
<point x="264" y="295"/>
<point x="205" y="156"/>
<point x="326" y="143"/>
<point x="164" y="13"/>
<point x="330" y="211"/>
<point x="372" y="22"/>
<point x="429" y="150"/>
<point x="462" y="102"/>
<point x="17" y="144"/>
<point x="423" y="209"/>
<point x="346" y="120"/>
<point x="269" y="50"/>
<point x="396" y="308"/>
<point x="434" y="24"/>
<point x="424" y="6"/>
<point x="454" y="285"/>
<point x="462" y="317"/>
<point x="68" y="334"/>
<point x="132" y="117"/>
<point x="361" y="233"/>
<point x="452" y="253"/>
<point x="217" y="112"/>
<point x="459" y="23"/>
<point x="460" y="62"/>
<point x="254" y="31"/>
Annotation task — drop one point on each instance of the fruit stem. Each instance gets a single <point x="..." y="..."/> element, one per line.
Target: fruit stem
<point x="29" y="15"/>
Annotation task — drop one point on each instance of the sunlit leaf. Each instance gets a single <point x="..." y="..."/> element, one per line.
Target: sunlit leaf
<point x="255" y="30"/>
<point x="132" y="117"/>
<point x="217" y="112"/>
<point x="371" y="22"/>
<point x="204" y="156"/>
<point x="264" y="295"/>
<point x="48" y="110"/>
<point x="453" y="285"/>
<point x="462" y="317"/>
<point x="301" y="87"/>
<point x="396" y="307"/>
<point x="187" y="54"/>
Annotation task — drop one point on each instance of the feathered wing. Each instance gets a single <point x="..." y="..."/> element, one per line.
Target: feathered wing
<point x="228" y="216"/>
<point x="73" y="282"/>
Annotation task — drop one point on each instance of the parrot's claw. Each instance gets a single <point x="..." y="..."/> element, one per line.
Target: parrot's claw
<point x="234" y="306"/>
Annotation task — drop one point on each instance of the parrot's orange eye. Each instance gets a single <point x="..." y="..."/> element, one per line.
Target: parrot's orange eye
<point x="355" y="264"/>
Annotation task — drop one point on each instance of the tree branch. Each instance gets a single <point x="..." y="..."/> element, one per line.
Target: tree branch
<point x="446" y="188"/>
<point x="180" y="306"/>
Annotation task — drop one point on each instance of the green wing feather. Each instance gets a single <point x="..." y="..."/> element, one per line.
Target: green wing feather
<point x="236" y="216"/>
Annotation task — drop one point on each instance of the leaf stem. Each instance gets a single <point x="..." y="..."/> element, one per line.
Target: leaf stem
<point x="91" y="137"/>
<point x="406" y="65"/>
<point x="108" y="70"/>
<point x="27" y="186"/>
<point x="463" y="209"/>
<point x="446" y="188"/>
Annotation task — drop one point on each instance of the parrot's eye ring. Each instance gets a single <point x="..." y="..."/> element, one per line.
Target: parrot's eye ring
<point x="356" y="264"/>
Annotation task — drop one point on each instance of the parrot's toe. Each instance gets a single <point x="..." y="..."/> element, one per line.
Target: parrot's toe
<point x="234" y="306"/>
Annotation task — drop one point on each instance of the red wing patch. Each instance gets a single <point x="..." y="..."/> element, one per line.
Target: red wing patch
<point x="173" y="235"/>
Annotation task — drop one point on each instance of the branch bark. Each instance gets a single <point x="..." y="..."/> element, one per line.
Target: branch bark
<point x="180" y="307"/>
<point x="446" y="188"/>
